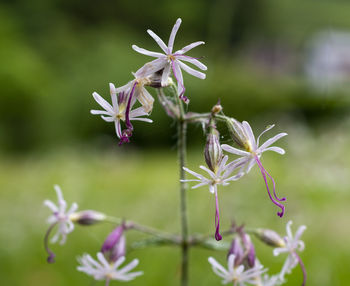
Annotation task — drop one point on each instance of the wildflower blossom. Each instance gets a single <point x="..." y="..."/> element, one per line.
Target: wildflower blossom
<point x="111" y="256"/>
<point x="236" y="274"/>
<point x="292" y="245"/>
<point x="101" y="269"/>
<point x="171" y="60"/>
<point x="59" y="217"/>
<point x="222" y="176"/>
<point x="117" y="112"/>
<point x="243" y="135"/>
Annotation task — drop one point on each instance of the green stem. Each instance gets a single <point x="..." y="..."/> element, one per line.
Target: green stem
<point x="145" y="229"/>
<point x="181" y="147"/>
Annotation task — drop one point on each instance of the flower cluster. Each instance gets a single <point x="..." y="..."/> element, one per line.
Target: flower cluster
<point x="243" y="268"/>
<point x="124" y="97"/>
<point x="220" y="172"/>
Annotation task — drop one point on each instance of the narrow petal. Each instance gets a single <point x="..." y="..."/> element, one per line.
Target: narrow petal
<point x="189" y="47"/>
<point x="271" y="141"/>
<point x="103" y="102"/>
<point x="193" y="61"/>
<point x="191" y="71"/>
<point x="146" y="52"/>
<point x="151" y="67"/>
<point x="98" y="112"/>
<point x="275" y="149"/>
<point x="138" y="112"/>
<point x="178" y="76"/>
<point x="118" y="128"/>
<point x="194" y="173"/>
<point x="165" y="75"/>
<point x="233" y="150"/>
<point x="248" y="130"/>
<point x="217" y="265"/>
<point x="102" y="259"/>
<point x="129" y="266"/>
<point x="107" y="118"/>
<point x="158" y="40"/>
<point x="51" y="205"/>
<point x="173" y="34"/>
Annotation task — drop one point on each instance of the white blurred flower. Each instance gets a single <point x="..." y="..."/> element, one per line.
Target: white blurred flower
<point x="252" y="153"/>
<point x="101" y="269"/>
<point x="292" y="246"/>
<point x="171" y="60"/>
<point x="236" y="275"/>
<point x="60" y="216"/>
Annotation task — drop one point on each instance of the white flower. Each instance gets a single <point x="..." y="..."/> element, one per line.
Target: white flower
<point x="171" y="60"/>
<point x="101" y="269"/>
<point x="60" y="216"/>
<point x="117" y="111"/>
<point x="237" y="275"/>
<point x="220" y="177"/>
<point x="252" y="154"/>
<point x="292" y="245"/>
<point x="252" y="149"/>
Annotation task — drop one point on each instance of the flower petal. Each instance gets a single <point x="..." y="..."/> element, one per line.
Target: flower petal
<point x="146" y="52"/>
<point x="158" y="40"/>
<point x="173" y="34"/>
<point x="189" y="47"/>
<point x="151" y="67"/>
<point x="191" y="71"/>
<point x="193" y="61"/>
<point x="271" y="141"/>
<point x="233" y="150"/>
<point x="103" y="103"/>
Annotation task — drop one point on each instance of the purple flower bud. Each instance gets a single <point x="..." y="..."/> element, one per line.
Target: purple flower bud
<point x="249" y="249"/>
<point x="114" y="245"/>
<point x="236" y="249"/>
<point x="87" y="217"/>
<point x="213" y="152"/>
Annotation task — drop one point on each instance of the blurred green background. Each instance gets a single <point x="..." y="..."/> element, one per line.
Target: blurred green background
<point x="284" y="62"/>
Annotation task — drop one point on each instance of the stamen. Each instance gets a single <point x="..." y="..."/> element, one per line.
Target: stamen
<point x="302" y="266"/>
<point x="217" y="218"/>
<point x="51" y="257"/>
<point x="181" y="96"/>
<point x="274" y="185"/>
<point x="263" y="172"/>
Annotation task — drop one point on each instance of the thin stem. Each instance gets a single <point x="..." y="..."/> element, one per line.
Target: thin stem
<point x="181" y="147"/>
<point x="145" y="229"/>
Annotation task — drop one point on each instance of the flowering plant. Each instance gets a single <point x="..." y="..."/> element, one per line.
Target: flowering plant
<point x="133" y="101"/>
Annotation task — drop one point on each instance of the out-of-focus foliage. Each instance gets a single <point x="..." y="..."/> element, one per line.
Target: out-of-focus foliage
<point x="54" y="54"/>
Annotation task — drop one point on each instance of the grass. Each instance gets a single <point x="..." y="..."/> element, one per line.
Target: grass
<point x="143" y="187"/>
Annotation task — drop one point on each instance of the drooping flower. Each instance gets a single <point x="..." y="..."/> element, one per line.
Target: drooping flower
<point x="222" y="176"/>
<point x="101" y="269"/>
<point x="292" y="246"/>
<point x="61" y="217"/>
<point x="243" y="135"/>
<point x="171" y="60"/>
<point x="236" y="274"/>
<point x="120" y="110"/>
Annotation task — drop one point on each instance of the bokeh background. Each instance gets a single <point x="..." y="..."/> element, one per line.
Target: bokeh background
<point x="271" y="61"/>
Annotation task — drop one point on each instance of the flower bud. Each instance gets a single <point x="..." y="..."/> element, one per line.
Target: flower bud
<point x="237" y="250"/>
<point x="87" y="217"/>
<point x="237" y="133"/>
<point x="270" y="237"/>
<point x="114" y="245"/>
<point x="249" y="249"/>
<point x="213" y="152"/>
<point x="216" y="108"/>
